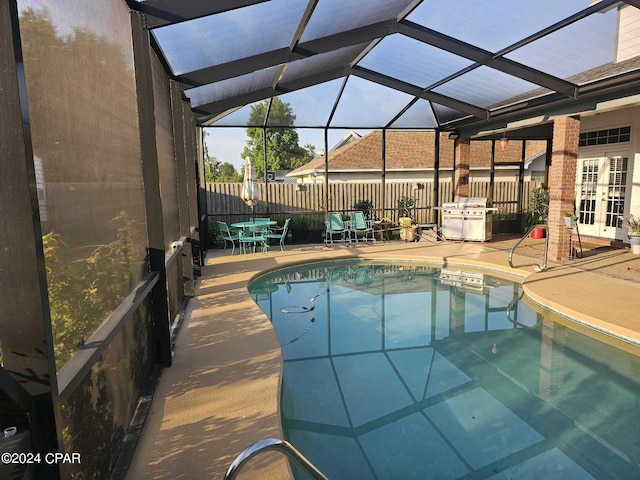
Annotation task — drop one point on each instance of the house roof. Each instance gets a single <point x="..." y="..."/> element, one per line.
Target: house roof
<point x="348" y="138"/>
<point x="412" y="150"/>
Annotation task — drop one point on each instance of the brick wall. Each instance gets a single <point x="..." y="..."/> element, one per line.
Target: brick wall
<point x="562" y="184"/>
<point x="461" y="170"/>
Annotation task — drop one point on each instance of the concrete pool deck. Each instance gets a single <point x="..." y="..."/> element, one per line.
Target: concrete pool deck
<point x="222" y="392"/>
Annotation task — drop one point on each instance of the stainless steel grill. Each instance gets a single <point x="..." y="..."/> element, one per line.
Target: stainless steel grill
<point x="468" y="219"/>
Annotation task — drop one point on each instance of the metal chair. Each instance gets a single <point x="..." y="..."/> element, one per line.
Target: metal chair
<point x="228" y="235"/>
<point x="279" y="233"/>
<point x="360" y="225"/>
<point x="253" y="236"/>
<point x="335" y="226"/>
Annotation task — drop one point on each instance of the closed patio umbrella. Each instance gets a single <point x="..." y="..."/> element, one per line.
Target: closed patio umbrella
<point x="250" y="185"/>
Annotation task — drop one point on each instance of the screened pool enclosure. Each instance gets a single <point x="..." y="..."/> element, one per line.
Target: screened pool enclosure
<point x="103" y="218"/>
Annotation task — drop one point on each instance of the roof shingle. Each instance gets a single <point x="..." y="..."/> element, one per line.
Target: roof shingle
<point x="407" y="150"/>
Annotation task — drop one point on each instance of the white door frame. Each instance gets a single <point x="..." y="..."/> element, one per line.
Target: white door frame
<point x="603" y="192"/>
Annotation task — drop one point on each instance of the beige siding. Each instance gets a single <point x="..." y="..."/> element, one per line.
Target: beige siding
<point x="629" y="37"/>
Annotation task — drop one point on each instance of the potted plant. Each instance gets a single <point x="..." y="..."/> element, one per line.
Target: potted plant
<point x="299" y="227"/>
<point x="537" y="212"/>
<point x="366" y="207"/>
<point x="570" y="219"/>
<point x="316" y="227"/>
<point x="405" y="207"/>
<point x="633" y="232"/>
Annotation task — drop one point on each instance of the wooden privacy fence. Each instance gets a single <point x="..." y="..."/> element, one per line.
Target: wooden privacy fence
<point x="224" y="201"/>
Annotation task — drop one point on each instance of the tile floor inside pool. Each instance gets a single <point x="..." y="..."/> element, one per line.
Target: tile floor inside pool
<point x="408" y="394"/>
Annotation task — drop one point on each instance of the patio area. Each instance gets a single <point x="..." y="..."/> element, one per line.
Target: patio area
<point x="222" y="392"/>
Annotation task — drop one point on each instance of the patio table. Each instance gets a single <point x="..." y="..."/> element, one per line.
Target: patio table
<point x="382" y="228"/>
<point x="256" y="228"/>
<point x="251" y="223"/>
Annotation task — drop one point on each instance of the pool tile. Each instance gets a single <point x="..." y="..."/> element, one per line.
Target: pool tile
<point x="413" y="366"/>
<point x="550" y="465"/>
<point x="404" y="325"/>
<point x="315" y="396"/>
<point x="370" y="387"/>
<point x="481" y="428"/>
<point x="444" y="376"/>
<point x="426" y="374"/>
<point x="415" y="445"/>
<point x="320" y="449"/>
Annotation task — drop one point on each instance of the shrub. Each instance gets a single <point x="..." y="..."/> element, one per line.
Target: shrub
<point x="538" y="210"/>
<point x="366" y="207"/>
<point x="405" y="206"/>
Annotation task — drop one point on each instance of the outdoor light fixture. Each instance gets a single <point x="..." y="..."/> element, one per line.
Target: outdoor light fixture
<point x="454" y="135"/>
<point x="504" y="141"/>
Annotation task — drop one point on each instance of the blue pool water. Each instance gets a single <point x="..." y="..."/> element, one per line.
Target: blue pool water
<point x="409" y="371"/>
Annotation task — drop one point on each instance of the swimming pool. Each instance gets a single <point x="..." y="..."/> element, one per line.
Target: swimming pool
<point x="413" y="371"/>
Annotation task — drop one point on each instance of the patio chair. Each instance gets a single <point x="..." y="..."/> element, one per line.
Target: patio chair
<point x="253" y="236"/>
<point x="228" y="235"/>
<point x="279" y="233"/>
<point x="335" y="226"/>
<point x="362" y="226"/>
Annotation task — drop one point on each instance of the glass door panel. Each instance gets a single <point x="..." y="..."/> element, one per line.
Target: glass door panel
<point x="587" y="192"/>
<point x="602" y="195"/>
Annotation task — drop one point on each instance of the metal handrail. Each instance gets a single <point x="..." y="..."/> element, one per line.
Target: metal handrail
<point x="276" y="444"/>
<point x="546" y="247"/>
<point x="511" y="306"/>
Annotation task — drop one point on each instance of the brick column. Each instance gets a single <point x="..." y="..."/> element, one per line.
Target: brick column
<point x="461" y="171"/>
<point x="562" y="184"/>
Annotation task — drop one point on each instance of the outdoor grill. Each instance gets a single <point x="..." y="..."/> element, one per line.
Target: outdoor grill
<point x="468" y="219"/>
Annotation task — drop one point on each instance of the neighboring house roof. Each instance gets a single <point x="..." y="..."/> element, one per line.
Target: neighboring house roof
<point x="348" y="138"/>
<point x="410" y="150"/>
<point x="404" y="150"/>
<point x="536" y="159"/>
<point x="279" y="176"/>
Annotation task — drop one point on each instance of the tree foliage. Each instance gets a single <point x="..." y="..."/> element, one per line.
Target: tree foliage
<point x="215" y="170"/>
<point x="283" y="149"/>
<point x="83" y="293"/>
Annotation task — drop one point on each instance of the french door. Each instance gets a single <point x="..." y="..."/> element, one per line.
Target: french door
<point x="602" y="193"/>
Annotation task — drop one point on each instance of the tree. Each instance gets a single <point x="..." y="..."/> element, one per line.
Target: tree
<point x="228" y="170"/>
<point x="283" y="149"/>
<point x="311" y="151"/>
<point x="211" y="163"/>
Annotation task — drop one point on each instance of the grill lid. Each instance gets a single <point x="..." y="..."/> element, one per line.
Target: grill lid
<point x="467" y="203"/>
<point x="473" y="202"/>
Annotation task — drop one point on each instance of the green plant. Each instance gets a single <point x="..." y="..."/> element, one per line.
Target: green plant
<point x="300" y="221"/>
<point x="633" y="225"/>
<point x="538" y="210"/>
<point x="569" y="215"/>
<point x="366" y="207"/>
<point x="405" y="206"/>
<point x="316" y="221"/>
<point x="83" y="292"/>
<point x="279" y="218"/>
<point x="212" y="230"/>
